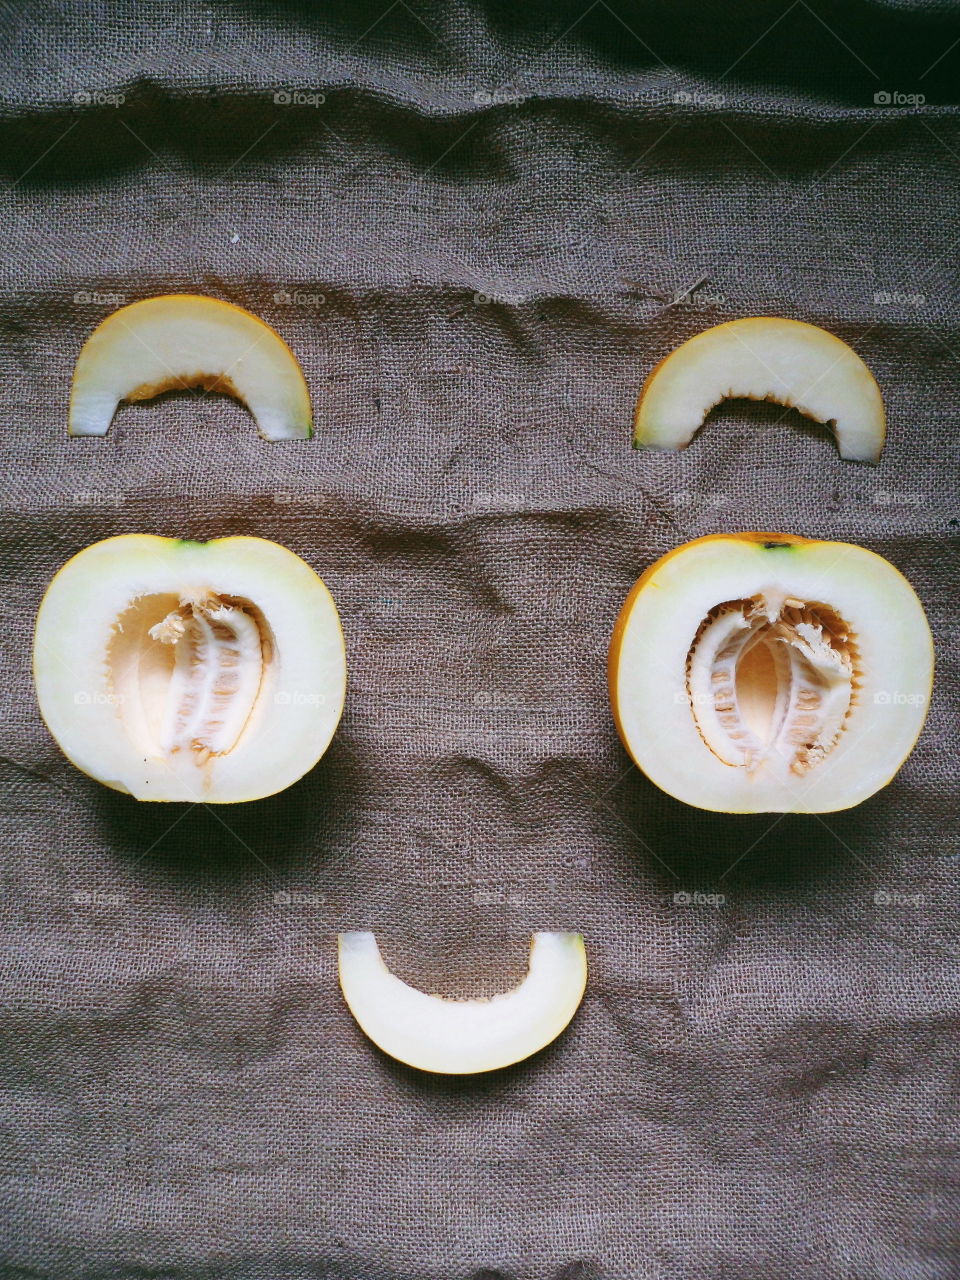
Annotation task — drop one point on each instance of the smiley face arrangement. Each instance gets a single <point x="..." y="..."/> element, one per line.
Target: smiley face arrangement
<point x="747" y="672"/>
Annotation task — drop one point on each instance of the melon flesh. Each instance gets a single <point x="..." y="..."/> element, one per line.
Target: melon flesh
<point x="763" y="358"/>
<point x="765" y="673"/>
<point x="183" y="340"/>
<point x="464" y="1036"/>
<point x="173" y="670"/>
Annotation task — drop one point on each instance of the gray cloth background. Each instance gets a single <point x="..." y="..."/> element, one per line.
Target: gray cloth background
<point x="478" y="244"/>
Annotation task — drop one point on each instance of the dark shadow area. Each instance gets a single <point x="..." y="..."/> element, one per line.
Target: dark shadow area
<point x="774" y="853"/>
<point x="283" y="834"/>
<point x="204" y="136"/>
<point x="846" y="52"/>
<point x="213" y="136"/>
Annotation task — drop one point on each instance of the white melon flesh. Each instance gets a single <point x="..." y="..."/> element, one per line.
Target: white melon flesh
<point x="459" y="1037"/>
<point x="763" y="673"/>
<point x="182" y="340"/>
<point x="763" y="358"/>
<point x="207" y="672"/>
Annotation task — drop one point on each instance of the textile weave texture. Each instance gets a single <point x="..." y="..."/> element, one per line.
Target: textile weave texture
<point x="479" y="227"/>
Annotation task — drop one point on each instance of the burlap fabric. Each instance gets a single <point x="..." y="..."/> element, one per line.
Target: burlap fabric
<point x="478" y="227"/>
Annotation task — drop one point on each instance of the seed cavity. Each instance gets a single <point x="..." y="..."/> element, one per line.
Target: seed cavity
<point x="189" y="670"/>
<point x="771" y="681"/>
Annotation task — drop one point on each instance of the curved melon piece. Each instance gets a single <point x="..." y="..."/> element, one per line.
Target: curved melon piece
<point x="760" y="672"/>
<point x="211" y="672"/>
<point x="458" y="1037"/>
<point x="182" y="340"/>
<point x="763" y="358"/>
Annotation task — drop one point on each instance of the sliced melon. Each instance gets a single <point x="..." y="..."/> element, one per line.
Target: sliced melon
<point x="458" y="1037"/>
<point x="182" y="340"/>
<point x="763" y="358"/>
<point x="174" y="670"/>
<point x="763" y="672"/>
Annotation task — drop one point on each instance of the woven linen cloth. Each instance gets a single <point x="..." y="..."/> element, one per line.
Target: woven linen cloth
<point x="478" y="227"/>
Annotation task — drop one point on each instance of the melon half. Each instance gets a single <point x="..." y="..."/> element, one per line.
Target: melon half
<point x="207" y="672"/>
<point x="760" y="672"/>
